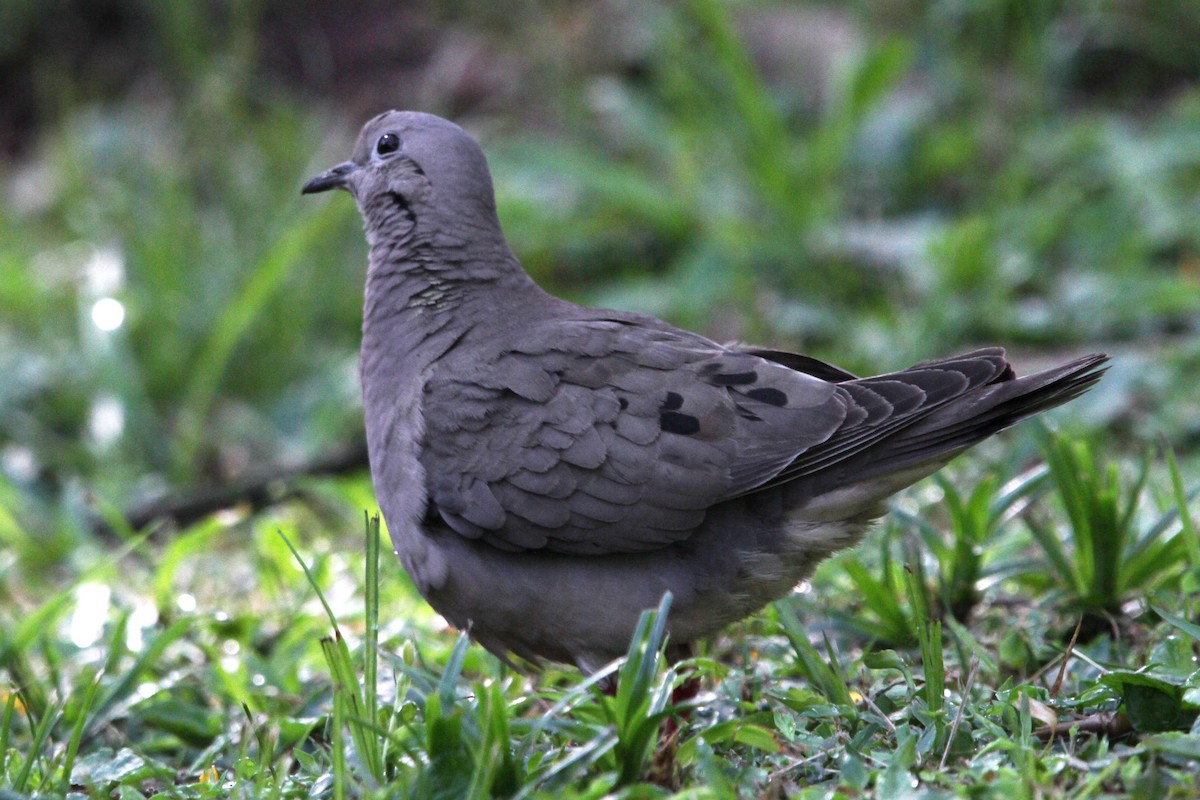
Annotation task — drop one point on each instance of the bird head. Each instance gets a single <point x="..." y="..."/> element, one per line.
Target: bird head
<point x="426" y="165"/>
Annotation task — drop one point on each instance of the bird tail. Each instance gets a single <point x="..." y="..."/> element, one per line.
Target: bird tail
<point x="957" y="425"/>
<point x="905" y="450"/>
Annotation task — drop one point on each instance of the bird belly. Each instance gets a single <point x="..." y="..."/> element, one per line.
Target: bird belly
<point x="584" y="609"/>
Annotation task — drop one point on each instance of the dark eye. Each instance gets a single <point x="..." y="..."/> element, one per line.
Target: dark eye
<point x="387" y="144"/>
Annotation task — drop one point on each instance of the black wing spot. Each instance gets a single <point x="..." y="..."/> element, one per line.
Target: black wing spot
<point x="623" y="403"/>
<point x="734" y="378"/>
<point x="674" y="402"/>
<point x="769" y="395"/>
<point x="682" y="424"/>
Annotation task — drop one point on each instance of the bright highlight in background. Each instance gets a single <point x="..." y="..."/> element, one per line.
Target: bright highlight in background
<point x="108" y="314"/>
<point x="107" y="420"/>
<point x="91" y="610"/>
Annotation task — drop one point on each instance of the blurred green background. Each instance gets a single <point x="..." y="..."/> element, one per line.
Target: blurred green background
<point x="871" y="182"/>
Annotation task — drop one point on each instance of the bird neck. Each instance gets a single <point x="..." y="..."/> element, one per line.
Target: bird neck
<point x="425" y="293"/>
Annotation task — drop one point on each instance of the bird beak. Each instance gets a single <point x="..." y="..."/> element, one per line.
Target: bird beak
<point x="330" y="179"/>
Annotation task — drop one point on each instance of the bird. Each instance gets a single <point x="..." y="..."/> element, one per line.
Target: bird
<point x="547" y="470"/>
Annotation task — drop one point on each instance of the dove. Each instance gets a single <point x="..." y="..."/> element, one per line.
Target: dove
<point x="547" y="471"/>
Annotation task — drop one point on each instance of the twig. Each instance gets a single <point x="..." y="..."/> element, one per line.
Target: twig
<point x="259" y="489"/>
<point x="1111" y="725"/>
<point x="1062" y="670"/>
<point x="882" y="716"/>
<point x="962" y="706"/>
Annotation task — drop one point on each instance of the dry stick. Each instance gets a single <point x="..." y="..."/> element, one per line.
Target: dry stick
<point x="882" y="716"/>
<point x="260" y="489"/>
<point x="1044" y="668"/>
<point x="1055" y="661"/>
<point x="1062" y="670"/>
<point x="962" y="706"/>
<point x="1111" y="725"/>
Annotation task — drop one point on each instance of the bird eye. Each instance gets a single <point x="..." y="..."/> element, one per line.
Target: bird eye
<point x="387" y="144"/>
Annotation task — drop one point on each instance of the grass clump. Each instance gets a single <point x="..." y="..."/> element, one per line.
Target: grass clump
<point x="967" y="173"/>
<point x="347" y="697"/>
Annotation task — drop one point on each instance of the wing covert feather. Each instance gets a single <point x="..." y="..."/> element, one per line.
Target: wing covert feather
<point x="607" y="435"/>
<point x="613" y="435"/>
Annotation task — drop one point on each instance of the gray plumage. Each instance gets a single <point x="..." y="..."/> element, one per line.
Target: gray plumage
<point x="548" y="470"/>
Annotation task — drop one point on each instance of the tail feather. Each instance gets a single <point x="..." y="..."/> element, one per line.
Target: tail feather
<point x="925" y="441"/>
<point x="956" y="426"/>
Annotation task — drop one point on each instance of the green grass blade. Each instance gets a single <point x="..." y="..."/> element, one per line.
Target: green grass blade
<point x="934" y="666"/>
<point x="1017" y="493"/>
<point x="358" y="705"/>
<point x="132" y="676"/>
<point x="814" y="666"/>
<point x="312" y="580"/>
<point x="447" y="687"/>
<point x="768" y="153"/>
<point x="10" y="707"/>
<point x="1060" y="562"/>
<point x="336" y="735"/>
<point x="879" y="598"/>
<point x="496" y="772"/>
<point x="1182" y="500"/>
<point x="267" y="278"/>
<point x="41" y="735"/>
<point x="371" y="639"/>
<point x="929" y="534"/>
<point x="361" y="724"/>
<point x="637" y="719"/>
<point x="1190" y="628"/>
<point x="82" y="713"/>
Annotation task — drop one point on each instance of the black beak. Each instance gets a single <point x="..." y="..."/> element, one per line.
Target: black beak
<point x="330" y="179"/>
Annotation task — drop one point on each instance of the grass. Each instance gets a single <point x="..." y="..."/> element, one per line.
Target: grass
<point x="323" y="690"/>
<point x="1023" y="625"/>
